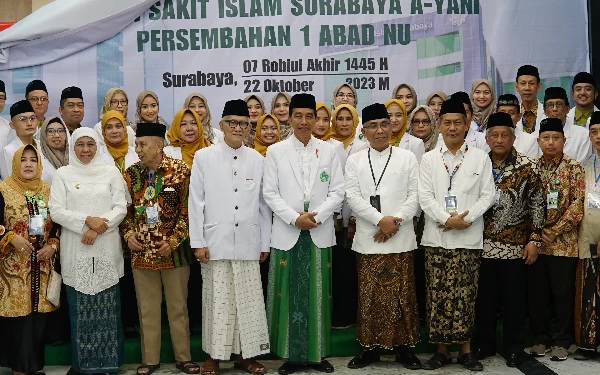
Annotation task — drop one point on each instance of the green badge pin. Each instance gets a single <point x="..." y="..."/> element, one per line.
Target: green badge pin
<point x="324" y="177"/>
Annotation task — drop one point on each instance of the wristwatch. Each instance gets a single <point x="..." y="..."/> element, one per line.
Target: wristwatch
<point x="54" y="247"/>
<point x="537" y="243"/>
<point x="352" y="220"/>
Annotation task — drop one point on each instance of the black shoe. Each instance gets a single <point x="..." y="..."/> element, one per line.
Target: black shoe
<point x="73" y="372"/>
<point x="364" y="359"/>
<point x="584" y="355"/>
<point x="483" y="354"/>
<point x="289" y="368"/>
<point x="470" y="362"/>
<point x="405" y="356"/>
<point x="324" y="366"/>
<point x="514" y="359"/>
<point x="438" y="361"/>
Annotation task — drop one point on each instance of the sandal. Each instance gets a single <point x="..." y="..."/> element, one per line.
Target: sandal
<point x="186" y="367"/>
<point x="250" y="366"/>
<point x="210" y="367"/>
<point x="150" y="368"/>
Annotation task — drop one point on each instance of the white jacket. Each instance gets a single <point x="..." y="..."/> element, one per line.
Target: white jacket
<point x="571" y="117"/>
<point x="283" y="191"/>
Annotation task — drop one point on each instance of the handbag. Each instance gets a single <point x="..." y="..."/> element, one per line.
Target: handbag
<point x="54" y="286"/>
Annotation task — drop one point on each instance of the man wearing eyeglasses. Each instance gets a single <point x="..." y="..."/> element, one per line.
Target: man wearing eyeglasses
<point x="37" y="94"/>
<point x="24" y="123"/>
<point x="7" y="134"/>
<point x="382" y="189"/>
<point x="556" y="105"/>
<point x="71" y="108"/>
<point x="304" y="186"/>
<point x="511" y="240"/>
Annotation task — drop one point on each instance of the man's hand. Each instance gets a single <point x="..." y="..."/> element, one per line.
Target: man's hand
<point x="306" y="221"/>
<point x="388" y="225"/>
<point x="45" y="253"/>
<point x="548" y="236"/>
<point x="530" y="253"/>
<point x="89" y="237"/>
<point x="457" y="221"/>
<point x="98" y="224"/>
<point x="21" y="244"/>
<point x="134" y="244"/>
<point x="263" y="257"/>
<point x="164" y="249"/>
<point x="202" y="254"/>
<point x="381" y="237"/>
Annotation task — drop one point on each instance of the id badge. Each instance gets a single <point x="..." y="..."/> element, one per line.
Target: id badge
<point x="36" y="225"/>
<point x="497" y="197"/>
<point x="552" y="199"/>
<point x="152" y="215"/>
<point x="451" y="203"/>
<point x="43" y="212"/>
<point x="593" y="201"/>
<point x="375" y="201"/>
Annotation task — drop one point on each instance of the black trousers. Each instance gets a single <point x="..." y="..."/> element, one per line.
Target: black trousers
<point x="502" y="284"/>
<point x="552" y="286"/>
<point x="344" y="286"/>
<point x="129" y="308"/>
<point x="194" y="301"/>
<point x="23" y="345"/>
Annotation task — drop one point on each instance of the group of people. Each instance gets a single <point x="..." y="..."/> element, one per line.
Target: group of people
<point x="268" y="230"/>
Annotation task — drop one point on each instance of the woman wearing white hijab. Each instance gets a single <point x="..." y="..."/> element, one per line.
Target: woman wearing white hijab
<point x="88" y="199"/>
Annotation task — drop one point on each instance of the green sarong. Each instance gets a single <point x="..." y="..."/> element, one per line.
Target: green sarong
<point x="299" y="301"/>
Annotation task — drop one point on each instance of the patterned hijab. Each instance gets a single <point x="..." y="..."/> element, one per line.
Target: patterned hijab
<point x="327" y="135"/>
<point x="259" y="144"/>
<point x="138" y="108"/>
<point x="346" y="140"/>
<point x="108" y="97"/>
<point x="187" y="149"/>
<point x="396" y="137"/>
<point x="431" y="140"/>
<point x="58" y="158"/>
<point x="207" y="121"/>
<point x="412" y="90"/>
<point x="286" y="128"/>
<point x="117" y="151"/>
<point x="17" y="182"/>
<point x="481" y="115"/>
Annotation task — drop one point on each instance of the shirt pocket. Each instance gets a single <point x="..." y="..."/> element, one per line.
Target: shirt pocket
<point x="468" y="181"/>
<point x="249" y="185"/>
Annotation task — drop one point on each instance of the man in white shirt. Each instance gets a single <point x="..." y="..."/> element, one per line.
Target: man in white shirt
<point x="230" y="230"/>
<point x="7" y="134"/>
<point x="304" y="186"/>
<point x="455" y="189"/>
<point x="382" y="189"/>
<point x="473" y="137"/>
<point x="24" y="124"/>
<point x="584" y="93"/>
<point x="525" y="143"/>
<point x="556" y="105"/>
<point x="528" y="85"/>
<point x="36" y="93"/>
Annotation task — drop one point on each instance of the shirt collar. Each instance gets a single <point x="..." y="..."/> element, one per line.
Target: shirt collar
<point x="164" y="164"/>
<point x="579" y="114"/>
<point x="300" y="145"/>
<point x="511" y="159"/>
<point x="555" y="161"/>
<point x="534" y="109"/>
<point x="462" y="148"/>
<point x="385" y="150"/>
<point x="232" y="151"/>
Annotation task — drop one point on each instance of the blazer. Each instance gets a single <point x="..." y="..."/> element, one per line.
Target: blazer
<point x="282" y="190"/>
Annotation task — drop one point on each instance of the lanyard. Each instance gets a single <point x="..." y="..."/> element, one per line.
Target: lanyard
<point x="547" y="175"/>
<point x="384" y="168"/>
<point x="151" y="178"/>
<point x="455" y="168"/>
<point x="497" y="176"/>
<point x="596" y="177"/>
<point x="121" y="167"/>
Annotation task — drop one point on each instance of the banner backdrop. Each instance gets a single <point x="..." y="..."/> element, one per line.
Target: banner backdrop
<point x="228" y="49"/>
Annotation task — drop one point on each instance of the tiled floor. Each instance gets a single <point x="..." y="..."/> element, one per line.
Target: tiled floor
<point x="493" y="366"/>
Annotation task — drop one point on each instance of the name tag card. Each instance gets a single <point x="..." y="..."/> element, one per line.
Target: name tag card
<point x="552" y="200"/>
<point x="451" y="204"/>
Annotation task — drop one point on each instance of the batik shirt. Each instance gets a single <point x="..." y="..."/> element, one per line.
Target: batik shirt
<point x="518" y="216"/>
<point x="529" y="116"/>
<point x="566" y="176"/>
<point x="171" y="182"/>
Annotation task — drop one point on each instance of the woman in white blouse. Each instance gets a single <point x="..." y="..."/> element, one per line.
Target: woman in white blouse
<point x="88" y="199"/>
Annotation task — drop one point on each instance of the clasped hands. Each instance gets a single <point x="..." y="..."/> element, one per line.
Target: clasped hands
<point x="388" y="227"/>
<point x="306" y="220"/>
<point x="456" y="221"/>
<point x="98" y="225"/>
<point x="163" y="248"/>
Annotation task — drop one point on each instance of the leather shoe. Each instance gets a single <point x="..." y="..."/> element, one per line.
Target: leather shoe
<point x="470" y="362"/>
<point x="483" y="354"/>
<point x="289" y="368"/>
<point x="324" y="366"/>
<point x="438" y="361"/>
<point x="514" y="360"/>
<point x="584" y="355"/>
<point x="364" y="359"/>
<point x="405" y="356"/>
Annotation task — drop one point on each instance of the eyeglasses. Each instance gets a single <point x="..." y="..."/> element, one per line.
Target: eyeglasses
<point x="234" y="124"/>
<point x="27" y="119"/>
<point x="421" y="122"/>
<point x="555" y="105"/>
<point x="383" y="126"/>
<point x="116" y="103"/>
<point x="55" y="131"/>
<point x="342" y="95"/>
<point x="35" y="99"/>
